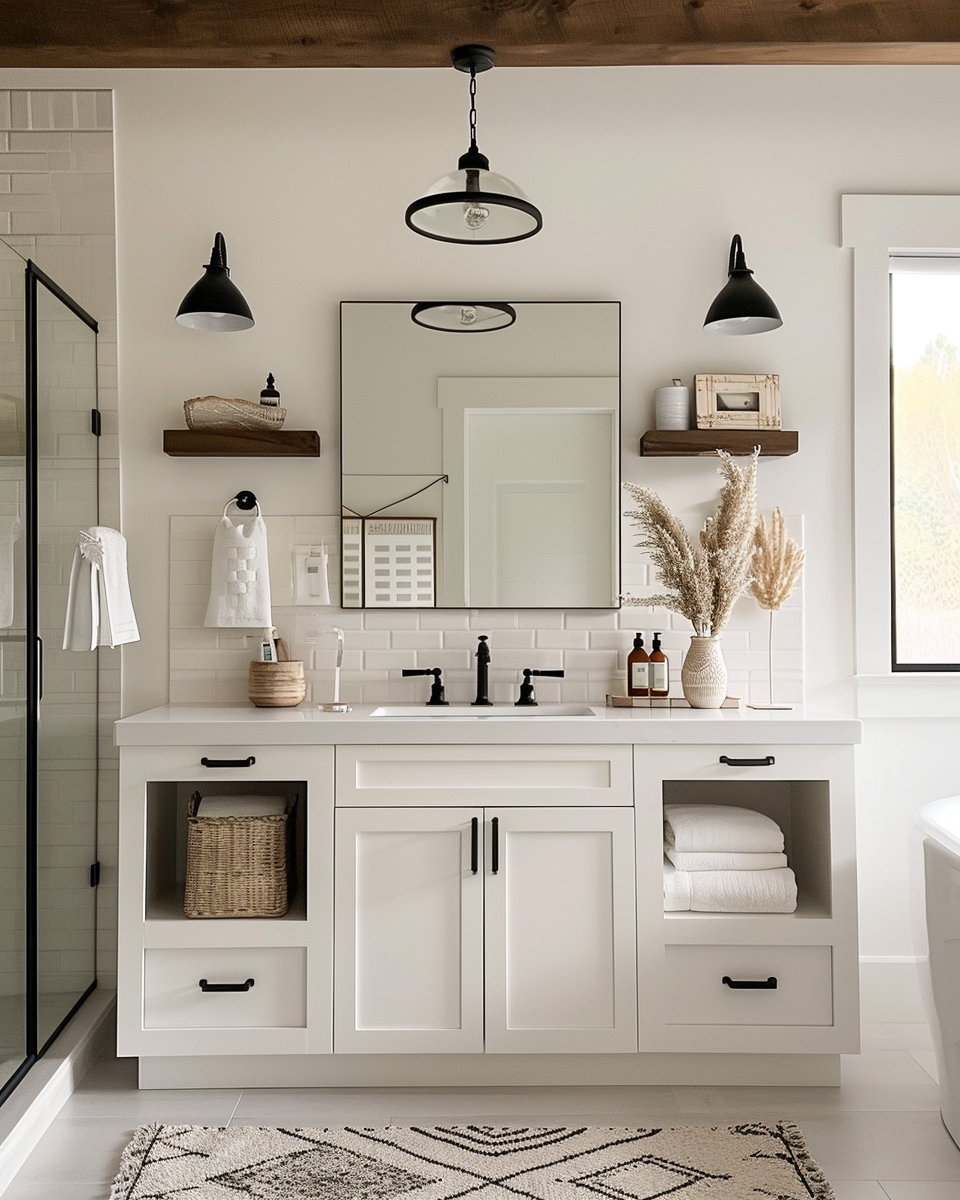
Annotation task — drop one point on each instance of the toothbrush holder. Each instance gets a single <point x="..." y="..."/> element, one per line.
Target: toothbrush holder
<point x="277" y="684"/>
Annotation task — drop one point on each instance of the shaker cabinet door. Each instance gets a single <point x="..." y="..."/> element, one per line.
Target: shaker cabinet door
<point x="560" y="931"/>
<point x="408" y="931"/>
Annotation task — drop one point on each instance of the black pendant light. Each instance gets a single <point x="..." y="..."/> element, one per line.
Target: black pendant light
<point x="742" y="305"/>
<point x="215" y="303"/>
<point x="474" y="205"/>
<point x="463" y="316"/>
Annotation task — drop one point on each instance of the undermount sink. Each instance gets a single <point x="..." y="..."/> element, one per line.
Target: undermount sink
<point x="484" y="711"/>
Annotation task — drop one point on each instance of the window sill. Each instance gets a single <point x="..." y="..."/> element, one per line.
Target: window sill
<point x="922" y="695"/>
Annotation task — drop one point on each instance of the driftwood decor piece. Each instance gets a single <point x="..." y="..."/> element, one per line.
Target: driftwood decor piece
<point x="738" y="401"/>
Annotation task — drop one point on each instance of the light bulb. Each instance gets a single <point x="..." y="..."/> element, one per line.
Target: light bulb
<point x="468" y="316"/>
<point x="475" y="215"/>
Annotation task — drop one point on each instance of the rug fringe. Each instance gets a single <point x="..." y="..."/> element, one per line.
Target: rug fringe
<point x="131" y="1162"/>
<point x="814" y="1177"/>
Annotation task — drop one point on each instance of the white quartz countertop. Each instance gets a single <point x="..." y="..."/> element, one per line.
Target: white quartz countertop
<point x="242" y="724"/>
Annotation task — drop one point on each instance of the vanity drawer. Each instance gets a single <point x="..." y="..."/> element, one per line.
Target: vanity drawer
<point x="697" y="995"/>
<point x="530" y="776"/>
<point x="174" y="999"/>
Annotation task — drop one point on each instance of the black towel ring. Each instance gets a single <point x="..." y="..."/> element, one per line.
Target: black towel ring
<point x="245" y="500"/>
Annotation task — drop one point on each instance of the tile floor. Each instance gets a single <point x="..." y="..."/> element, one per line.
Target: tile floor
<point x="877" y="1137"/>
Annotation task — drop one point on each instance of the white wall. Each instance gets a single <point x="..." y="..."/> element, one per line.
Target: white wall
<point x="643" y="175"/>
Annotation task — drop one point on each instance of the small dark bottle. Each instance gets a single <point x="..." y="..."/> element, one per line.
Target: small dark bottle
<point x="659" y="670"/>
<point x="270" y="397"/>
<point x="638" y="669"/>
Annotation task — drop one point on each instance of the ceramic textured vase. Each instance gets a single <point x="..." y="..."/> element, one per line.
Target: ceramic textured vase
<point x="704" y="673"/>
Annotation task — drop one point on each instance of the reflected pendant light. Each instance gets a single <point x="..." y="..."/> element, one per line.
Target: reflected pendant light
<point x="215" y="303"/>
<point x="474" y="204"/>
<point x="742" y="306"/>
<point x="463" y="316"/>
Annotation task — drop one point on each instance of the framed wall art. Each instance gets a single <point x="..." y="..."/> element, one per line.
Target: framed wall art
<point x="738" y="401"/>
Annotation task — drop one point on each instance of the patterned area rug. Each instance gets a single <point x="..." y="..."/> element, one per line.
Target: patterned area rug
<point x="469" y="1162"/>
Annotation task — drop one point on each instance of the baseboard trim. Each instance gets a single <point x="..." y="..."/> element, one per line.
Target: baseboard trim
<point x="485" y="1070"/>
<point x="32" y="1107"/>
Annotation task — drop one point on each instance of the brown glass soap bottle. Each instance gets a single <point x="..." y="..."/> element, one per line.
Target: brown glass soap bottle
<point x="638" y="669"/>
<point x="659" y="669"/>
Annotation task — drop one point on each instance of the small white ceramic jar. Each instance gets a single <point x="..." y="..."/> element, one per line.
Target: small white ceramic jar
<point x="673" y="406"/>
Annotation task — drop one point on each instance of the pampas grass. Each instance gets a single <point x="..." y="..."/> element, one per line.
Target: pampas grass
<point x="702" y="578"/>
<point x="777" y="562"/>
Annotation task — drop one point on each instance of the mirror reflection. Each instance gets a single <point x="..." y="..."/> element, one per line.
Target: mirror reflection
<point x="480" y="471"/>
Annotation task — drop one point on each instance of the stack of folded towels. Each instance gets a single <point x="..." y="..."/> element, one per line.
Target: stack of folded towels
<point x="718" y="858"/>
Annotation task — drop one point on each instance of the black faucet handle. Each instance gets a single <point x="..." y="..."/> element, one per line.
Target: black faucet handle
<point x="528" y="696"/>
<point x="436" y="688"/>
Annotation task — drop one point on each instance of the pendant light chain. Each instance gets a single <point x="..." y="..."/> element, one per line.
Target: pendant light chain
<point x="473" y="107"/>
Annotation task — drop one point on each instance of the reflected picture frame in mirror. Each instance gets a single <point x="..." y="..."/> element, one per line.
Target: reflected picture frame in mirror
<point x="502" y="451"/>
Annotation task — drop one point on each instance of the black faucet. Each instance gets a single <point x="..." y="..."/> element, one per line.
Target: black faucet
<point x="527" y="694"/>
<point x="436" y="688"/>
<point x="483" y="662"/>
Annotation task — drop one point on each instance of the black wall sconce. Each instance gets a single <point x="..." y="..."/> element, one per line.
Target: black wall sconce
<point x="742" y="306"/>
<point x="215" y="303"/>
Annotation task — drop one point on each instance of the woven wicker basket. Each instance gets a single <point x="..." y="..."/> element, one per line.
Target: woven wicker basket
<point x="218" y="412"/>
<point x="276" y="684"/>
<point x="238" y="866"/>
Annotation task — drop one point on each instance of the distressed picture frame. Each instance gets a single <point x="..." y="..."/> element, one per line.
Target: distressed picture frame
<point x="738" y="401"/>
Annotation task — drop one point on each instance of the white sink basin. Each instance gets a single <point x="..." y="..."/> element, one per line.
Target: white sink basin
<point x="480" y="712"/>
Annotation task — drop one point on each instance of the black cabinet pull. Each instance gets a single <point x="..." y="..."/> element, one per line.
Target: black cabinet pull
<point x="769" y="985"/>
<point x="768" y="761"/>
<point x="474" y="845"/>
<point x="228" y="762"/>
<point x="494" y="845"/>
<point x="226" y="987"/>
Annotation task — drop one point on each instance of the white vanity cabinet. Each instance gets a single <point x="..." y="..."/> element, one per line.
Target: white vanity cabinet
<point x="481" y="902"/>
<point x="184" y="984"/>
<point x="504" y="924"/>
<point x="763" y="982"/>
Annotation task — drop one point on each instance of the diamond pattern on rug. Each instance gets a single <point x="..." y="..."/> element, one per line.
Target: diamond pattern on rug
<point x="327" y="1171"/>
<point x="469" y="1162"/>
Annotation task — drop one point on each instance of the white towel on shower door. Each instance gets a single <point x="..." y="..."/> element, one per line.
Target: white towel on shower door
<point x="239" y="574"/>
<point x="9" y="532"/>
<point x="99" y="606"/>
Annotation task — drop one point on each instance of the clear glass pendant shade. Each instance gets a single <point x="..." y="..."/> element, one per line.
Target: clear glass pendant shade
<point x="463" y="317"/>
<point x="474" y="205"/>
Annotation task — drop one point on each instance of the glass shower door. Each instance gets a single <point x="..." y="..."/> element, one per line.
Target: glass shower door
<point x="64" y="487"/>
<point x="14" y="1048"/>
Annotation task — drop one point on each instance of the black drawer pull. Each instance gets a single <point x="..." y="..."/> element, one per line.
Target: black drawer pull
<point x="228" y="762"/>
<point x="769" y="985"/>
<point x="494" y="845"/>
<point x="226" y="987"/>
<point x="474" y="844"/>
<point x="768" y="761"/>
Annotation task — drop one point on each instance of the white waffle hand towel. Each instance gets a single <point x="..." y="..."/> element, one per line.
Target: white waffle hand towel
<point x="696" y="828"/>
<point x="729" y="891"/>
<point x="239" y="573"/>
<point x="99" y="607"/>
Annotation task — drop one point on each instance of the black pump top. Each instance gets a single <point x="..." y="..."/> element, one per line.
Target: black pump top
<point x="638" y="641"/>
<point x="656" y="641"/>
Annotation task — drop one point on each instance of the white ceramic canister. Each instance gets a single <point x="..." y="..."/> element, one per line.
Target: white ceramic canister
<point x="673" y="406"/>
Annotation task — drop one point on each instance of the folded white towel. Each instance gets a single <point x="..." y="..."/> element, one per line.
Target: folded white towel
<point x="696" y="828"/>
<point x="729" y="891"/>
<point x="240" y="806"/>
<point x="239" y="574"/>
<point x="99" y="607"/>
<point x="718" y="860"/>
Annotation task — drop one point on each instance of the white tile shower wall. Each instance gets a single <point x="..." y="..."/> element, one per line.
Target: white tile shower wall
<point x="57" y="208"/>
<point x="211" y="665"/>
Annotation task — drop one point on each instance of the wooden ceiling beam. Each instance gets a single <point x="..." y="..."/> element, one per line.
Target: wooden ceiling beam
<point x="420" y="33"/>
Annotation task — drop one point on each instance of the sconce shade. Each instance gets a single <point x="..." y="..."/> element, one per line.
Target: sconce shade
<point x="215" y="303"/>
<point x="741" y="306"/>
<point x="463" y="316"/>
<point x="474" y="205"/>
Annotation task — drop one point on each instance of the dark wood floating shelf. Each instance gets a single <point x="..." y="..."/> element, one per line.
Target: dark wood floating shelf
<point x="691" y="443"/>
<point x="266" y="443"/>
